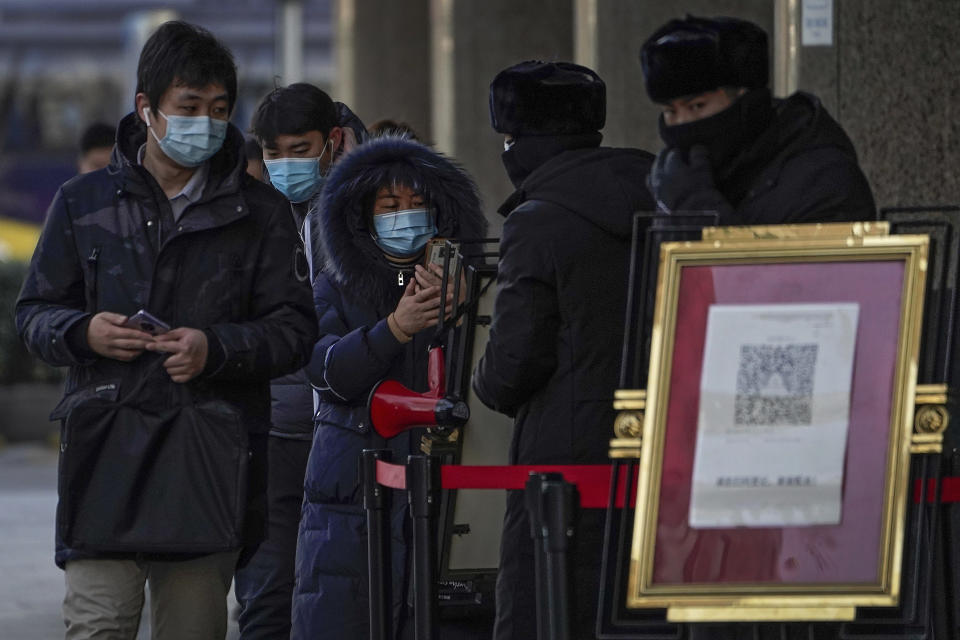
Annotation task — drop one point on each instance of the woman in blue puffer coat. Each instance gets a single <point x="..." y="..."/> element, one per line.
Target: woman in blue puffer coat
<point x="376" y="311"/>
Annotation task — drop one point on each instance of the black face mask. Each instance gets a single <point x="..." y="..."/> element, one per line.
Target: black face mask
<point x="727" y="133"/>
<point x="517" y="166"/>
<point x="527" y="153"/>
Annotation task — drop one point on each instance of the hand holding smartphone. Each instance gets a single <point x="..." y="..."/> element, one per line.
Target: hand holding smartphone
<point x="437" y="249"/>
<point x="144" y="321"/>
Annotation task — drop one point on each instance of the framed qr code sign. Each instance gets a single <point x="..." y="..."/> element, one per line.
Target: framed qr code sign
<point x="774" y="465"/>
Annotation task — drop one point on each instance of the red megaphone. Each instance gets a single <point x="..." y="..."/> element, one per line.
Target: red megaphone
<point x="393" y="408"/>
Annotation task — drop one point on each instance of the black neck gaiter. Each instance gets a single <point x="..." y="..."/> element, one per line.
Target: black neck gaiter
<point x="725" y="134"/>
<point x="529" y="152"/>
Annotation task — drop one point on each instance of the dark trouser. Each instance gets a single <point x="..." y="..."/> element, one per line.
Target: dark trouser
<point x="516" y="593"/>
<point x="264" y="586"/>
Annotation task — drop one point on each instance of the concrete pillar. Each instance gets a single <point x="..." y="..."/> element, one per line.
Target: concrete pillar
<point x="472" y="40"/>
<point x="289" y="52"/>
<point x="608" y="36"/>
<point x="890" y="79"/>
<point x="382" y="50"/>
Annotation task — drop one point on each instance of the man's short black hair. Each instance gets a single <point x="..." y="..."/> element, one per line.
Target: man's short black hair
<point x="252" y="148"/>
<point x="293" y="110"/>
<point x="188" y="55"/>
<point x="97" y="136"/>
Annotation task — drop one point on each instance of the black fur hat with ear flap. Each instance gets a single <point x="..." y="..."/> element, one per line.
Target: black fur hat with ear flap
<point x="694" y="55"/>
<point x="547" y="98"/>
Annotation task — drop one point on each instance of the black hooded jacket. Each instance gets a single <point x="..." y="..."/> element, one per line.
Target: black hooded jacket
<point x="353" y="296"/>
<point x="801" y="169"/>
<point x="228" y="266"/>
<point x="553" y="356"/>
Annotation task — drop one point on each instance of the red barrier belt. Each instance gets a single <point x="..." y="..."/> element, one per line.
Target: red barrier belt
<point x="592" y="481"/>
<point x="392" y="475"/>
<point x="949" y="489"/>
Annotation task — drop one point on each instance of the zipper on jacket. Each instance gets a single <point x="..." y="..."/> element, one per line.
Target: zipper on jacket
<point x="92" y="261"/>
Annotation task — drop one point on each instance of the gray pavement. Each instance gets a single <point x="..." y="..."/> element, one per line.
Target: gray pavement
<point x="31" y="585"/>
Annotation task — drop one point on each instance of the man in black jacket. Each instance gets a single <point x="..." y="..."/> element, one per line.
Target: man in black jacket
<point x="302" y="133"/>
<point x="733" y="149"/>
<point x="165" y="413"/>
<point x="554" y="351"/>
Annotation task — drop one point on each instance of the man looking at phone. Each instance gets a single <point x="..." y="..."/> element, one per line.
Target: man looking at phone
<point x="554" y="350"/>
<point x="162" y="466"/>
<point x="302" y="132"/>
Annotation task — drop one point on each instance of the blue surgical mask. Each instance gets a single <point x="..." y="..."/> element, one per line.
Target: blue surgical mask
<point x="296" y="178"/>
<point x="404" y="233"/>
<point x="190" y="140"/>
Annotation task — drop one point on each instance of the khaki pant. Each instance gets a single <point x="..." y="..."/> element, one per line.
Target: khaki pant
<point x="188" y="599"/>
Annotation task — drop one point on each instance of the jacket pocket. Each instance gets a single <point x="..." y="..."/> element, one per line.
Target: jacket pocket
<point x="170" y="481"/>
<point x="103" y="391"/>
<point x="338" y="439"/>
<point x="345" y="416"/>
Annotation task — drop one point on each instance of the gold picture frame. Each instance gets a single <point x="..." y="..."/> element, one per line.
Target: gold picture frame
<point x="788" y="252"/>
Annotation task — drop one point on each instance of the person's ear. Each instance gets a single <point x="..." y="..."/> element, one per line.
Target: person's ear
<point x="336" y="140"/>
<point x="143" y="103"/>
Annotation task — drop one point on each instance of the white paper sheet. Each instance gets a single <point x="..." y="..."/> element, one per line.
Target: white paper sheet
<point x="774" y="412"/>
<point x="817" y="23"/>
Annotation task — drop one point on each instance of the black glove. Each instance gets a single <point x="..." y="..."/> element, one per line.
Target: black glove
<point x="685" y="185"/>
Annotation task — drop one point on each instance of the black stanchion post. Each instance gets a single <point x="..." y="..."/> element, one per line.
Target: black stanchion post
<point x="534" y="503"/>
<point x="550" y="506"/>
<point x="558" y="509"/>
<point x="376" y="503"/>
<point x="423" y="492"/>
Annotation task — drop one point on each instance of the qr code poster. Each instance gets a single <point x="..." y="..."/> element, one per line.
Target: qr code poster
<point x="775" y="384"/>
<point x="773" y="416"/>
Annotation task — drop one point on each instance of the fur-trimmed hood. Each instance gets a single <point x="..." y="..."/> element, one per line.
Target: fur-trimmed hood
<point x="353" y="261"/>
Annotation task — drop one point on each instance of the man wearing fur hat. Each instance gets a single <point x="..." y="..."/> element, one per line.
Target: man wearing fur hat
<point x="730" y="146"/>
<point x="553" y="355"/>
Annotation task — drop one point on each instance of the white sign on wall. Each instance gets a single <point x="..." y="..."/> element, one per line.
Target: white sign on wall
<point x="817" y="23"/>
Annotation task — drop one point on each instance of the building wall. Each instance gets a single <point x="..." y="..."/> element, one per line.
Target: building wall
<point x="898" y="95"/>
<point x="383" y="61"/>
<point x="472" y="41"/>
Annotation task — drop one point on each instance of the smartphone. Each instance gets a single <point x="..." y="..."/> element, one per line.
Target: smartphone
<point x="437" y="249"/>
<point x="145" y="321"/>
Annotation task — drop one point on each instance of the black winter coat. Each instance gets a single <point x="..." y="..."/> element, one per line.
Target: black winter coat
<point x="553" y="357"/>
<point x="802" y="168"/>
<point x="227" y="267"/>
<point x="356" y="350"/>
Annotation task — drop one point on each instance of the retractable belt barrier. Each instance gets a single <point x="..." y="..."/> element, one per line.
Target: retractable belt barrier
<point x="949" y="490"/>
<point x="592" y="481"/>
<point x="550" y="501"/>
